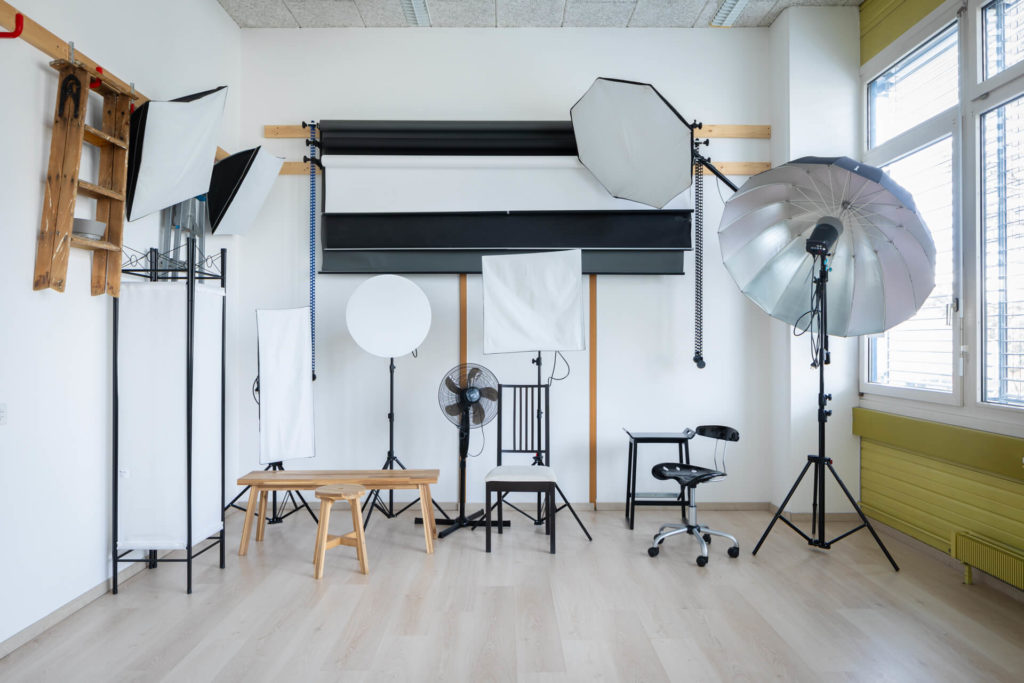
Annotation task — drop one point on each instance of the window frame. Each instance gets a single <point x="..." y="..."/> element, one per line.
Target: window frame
<point x="977" y="96"/>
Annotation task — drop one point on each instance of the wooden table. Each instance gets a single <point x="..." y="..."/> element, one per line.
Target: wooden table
<point x="263" y="481"/>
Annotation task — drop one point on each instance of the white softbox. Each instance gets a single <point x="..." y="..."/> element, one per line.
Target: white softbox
<point x="171" y="150"/>
<point x="239" y="186"/>
<point x="533" y="302"/>
<point x="286" y="384"/>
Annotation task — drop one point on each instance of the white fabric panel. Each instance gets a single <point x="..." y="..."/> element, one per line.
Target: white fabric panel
<point x="286" y="384"/>
<point x="533" y="302"/>
<point x="206" y="436"/>
<point x="178" y="148"/>
<point x="353" y="184"/>
<point x="251" y="195"/>
<point x="151" y="366"/>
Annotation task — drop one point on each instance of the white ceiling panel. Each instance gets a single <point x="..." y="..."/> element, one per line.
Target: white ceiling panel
<point x="525" y="13"/>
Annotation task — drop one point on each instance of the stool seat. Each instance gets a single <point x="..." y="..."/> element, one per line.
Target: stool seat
<point x="686" y="475"/>
<point x="328" y="495"/>
<point x="340" y="491"/>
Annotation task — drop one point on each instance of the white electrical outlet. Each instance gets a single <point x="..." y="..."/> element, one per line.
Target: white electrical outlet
<point x="3" y="414"/>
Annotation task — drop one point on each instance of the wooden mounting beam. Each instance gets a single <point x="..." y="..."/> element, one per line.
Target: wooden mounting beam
<point x="710" y="130"/>
<point x="739" y="168"/>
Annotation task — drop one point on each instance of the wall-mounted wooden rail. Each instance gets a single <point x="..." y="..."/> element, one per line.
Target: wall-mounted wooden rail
<point x="713" y="130"/>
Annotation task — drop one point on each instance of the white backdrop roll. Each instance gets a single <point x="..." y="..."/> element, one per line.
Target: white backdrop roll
<point x="286" y="384"/>
<point x="151" y="387"/>
<point x="533" y="302"/>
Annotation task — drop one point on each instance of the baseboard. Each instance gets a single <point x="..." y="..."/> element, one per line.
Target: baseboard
<point x="67" y="609"/>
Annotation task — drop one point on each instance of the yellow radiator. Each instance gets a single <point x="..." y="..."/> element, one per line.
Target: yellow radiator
<point x="991" y="557"/>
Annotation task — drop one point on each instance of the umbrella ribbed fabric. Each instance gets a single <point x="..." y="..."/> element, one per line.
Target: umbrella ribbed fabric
<point x="883" y="266"/>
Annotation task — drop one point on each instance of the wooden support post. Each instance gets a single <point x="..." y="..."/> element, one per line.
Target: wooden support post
<point x="113" y="173"/>
<point x="593" y="389"/>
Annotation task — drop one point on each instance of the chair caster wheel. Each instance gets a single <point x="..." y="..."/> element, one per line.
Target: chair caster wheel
<point x="701" y="560"/>
<point x="707" y="538"/>
<point x="653" y="551"/>
<point x="734" y="552"/>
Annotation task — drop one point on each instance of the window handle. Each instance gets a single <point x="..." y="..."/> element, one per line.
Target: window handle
<point x="952" y="308"/>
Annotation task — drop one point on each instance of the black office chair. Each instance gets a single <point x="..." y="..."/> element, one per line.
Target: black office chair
<point x="688" y="477"/>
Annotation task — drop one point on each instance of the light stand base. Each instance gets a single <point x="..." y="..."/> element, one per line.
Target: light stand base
<point x="275" y="509"/>
<point x="820" y="463"/>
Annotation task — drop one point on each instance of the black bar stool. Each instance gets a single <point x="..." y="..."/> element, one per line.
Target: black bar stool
<point x="682" y="439"/>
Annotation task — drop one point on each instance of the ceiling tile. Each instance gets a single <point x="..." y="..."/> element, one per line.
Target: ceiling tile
<point x="678" y="13"/>
<point x="259" y="13"/>
<point x="521" y="13"/>
<point x="588" y="13"/>
<point x="755" y="13"/>
<point x="382" y="12"/>
<point x="461" y="12"/>
<point x="325" y="13"/>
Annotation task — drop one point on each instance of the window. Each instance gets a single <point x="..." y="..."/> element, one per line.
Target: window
<point x="1003" y="35"/>
<point x="919" y="86"/>
<point x="915" y="146"/>
<point x="918" y="353"/>
<point x="1002" y="214"/>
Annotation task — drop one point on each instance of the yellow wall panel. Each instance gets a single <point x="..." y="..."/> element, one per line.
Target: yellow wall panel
<point x="883" y="21"/>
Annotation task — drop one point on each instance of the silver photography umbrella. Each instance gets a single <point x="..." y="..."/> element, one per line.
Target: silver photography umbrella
<point x="634" y="142"/>
<point x="883" y="266"/>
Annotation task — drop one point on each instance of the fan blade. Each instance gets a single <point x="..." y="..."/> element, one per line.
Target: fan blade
<point x="490" y="393"/>
<point x="453" y="409"/>
<point x="473" y="374"/>
<point x="451" y="386"/>
<point x="478" y="414"/>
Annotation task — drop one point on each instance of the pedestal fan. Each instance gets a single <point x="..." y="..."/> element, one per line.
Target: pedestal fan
<point x="468" y="397"/>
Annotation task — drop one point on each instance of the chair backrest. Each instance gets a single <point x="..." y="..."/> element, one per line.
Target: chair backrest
<point x="524" y="421"/>
<point x="718" y="432"/>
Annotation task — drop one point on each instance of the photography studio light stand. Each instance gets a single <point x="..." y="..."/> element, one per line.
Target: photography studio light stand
<point x="374" y="500"/>
<point x="817" y="537"/>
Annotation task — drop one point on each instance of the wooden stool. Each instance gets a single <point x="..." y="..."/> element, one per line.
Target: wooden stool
<point x="355" y="538"/>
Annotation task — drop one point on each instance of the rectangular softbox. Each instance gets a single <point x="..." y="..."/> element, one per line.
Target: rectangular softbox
<point x="238" y="188"/>
<point x="171" y="150"/>
<point x="285" y="384"/>
<point x="533" y="302"/>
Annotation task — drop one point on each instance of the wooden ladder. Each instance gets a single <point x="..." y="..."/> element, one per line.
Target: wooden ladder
<point x="63" y="183"/>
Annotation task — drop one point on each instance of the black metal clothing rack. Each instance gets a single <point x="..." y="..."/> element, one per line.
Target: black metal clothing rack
<point x="154" y="267"/>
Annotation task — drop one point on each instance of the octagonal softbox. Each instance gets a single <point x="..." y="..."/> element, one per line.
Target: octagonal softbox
<point x="633" y="141"/>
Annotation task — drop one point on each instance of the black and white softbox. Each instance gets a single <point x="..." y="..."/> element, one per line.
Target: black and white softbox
<point x="533" y="302"/>
<point x="633" y="141"/>
<point x="239" y="186"/>
<point x="171" y="150"/>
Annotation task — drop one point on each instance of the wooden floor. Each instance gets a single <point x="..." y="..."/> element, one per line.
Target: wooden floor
<point x="595" y="611"/>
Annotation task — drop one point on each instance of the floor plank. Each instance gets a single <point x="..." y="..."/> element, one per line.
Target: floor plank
<point x="595" y="611"/>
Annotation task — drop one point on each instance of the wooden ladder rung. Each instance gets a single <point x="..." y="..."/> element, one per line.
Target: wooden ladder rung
<point x="97" y="137"/>
<point x="94" y="245"/>
<point x="97" y="192"/>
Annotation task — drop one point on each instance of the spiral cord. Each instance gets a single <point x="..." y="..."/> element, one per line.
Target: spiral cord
<point x="312" y="242"/>
<point x="698" y="265"/>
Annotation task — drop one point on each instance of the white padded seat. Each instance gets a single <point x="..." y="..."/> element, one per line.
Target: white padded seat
<point x="520" y="473"/>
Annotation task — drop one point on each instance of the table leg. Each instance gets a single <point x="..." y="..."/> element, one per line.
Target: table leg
<point x="551" y="515"/>
<point x="632" y="497"/>
<point x="261" y="522"/>
<point x="250" y="512"/>
<point x="487" y="518"/>
<point x="629" y="476"/>
<point x="425" y="510"/>
<point x="321" y="538"/>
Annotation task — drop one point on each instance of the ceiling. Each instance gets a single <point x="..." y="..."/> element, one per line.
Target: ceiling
<point x="502" y="13"/>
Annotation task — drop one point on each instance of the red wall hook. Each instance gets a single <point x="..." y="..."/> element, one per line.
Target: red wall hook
<point x="95" y="82"/>
<point x="19" y="26"/>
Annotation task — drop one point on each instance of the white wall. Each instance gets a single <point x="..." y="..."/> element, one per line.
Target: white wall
<point x="817" y="49"/>
<point x="646" y="379"/>
<point x="55" y="348"/>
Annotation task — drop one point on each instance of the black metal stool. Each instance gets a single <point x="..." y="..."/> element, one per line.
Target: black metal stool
<point x="682" y="439"/>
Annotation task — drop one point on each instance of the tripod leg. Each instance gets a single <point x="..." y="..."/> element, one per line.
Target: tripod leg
<point x="782" y="508"/>
<point x="862" y="517"/>
<point x="308" y="509"/>
<point x="569" y="505"/>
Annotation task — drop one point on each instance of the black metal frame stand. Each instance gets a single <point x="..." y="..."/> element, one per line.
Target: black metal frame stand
<point x="191" y="271"/>
<point x="817" y="537"/>
<point x="374" y="500"/>
<point x="462" y="520"/>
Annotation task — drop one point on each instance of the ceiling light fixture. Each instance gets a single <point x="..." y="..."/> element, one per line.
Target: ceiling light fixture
<point x="728" y="12"/>
<point x="415" y="12"/>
